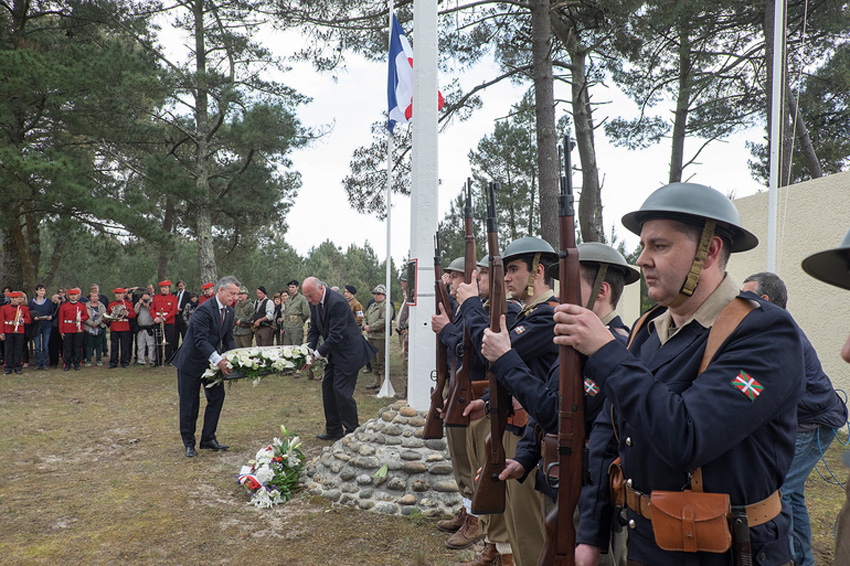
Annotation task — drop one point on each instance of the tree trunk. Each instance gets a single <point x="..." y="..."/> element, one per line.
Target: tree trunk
<point x="203" y="227"/>
<point x="166" y="247"/>
<point x="590" y="203"/>
<point x="683" y="102"/>
<point x="801" y="132"/>
<point x="544" y="110"/>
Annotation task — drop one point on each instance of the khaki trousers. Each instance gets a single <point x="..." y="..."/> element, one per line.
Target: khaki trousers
<point x="456" y="441"/>
<point x="493" y="526"/>
<point x="526" y="530"/>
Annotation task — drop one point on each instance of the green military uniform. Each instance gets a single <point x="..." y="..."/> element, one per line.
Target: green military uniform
<point x="295" y="314"/>
<point x="376" y="320"/>
<point x="242" y="319"/>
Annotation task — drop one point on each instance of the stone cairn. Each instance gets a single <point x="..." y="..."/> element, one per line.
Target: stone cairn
<point x="418" y="472"/>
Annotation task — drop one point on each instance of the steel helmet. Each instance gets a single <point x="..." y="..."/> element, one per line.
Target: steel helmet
<point x="484" y="262"/>
<point x="458" y="265"/>
<point x="597" y="252"/>
<point x="831" y="266"/>
<point x="693" y="203"/>
<point x="527" y="246"/>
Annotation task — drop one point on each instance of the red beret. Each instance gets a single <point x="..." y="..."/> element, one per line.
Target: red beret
<point x="207" y="286"/>
<point x="14" y="294"/>
<point x="119" y="290"/>
<point x="74" y="291"/>
<point x="165" y="283"/>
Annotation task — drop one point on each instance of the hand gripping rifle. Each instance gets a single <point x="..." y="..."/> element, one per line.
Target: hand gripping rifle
<point x="489" y="495"/>
<point x="559" y="548"/>
<point x="433" y="423"/>
<point x="460" y="394"/>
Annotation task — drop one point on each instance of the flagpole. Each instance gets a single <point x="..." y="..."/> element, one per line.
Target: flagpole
<point x="387" y="386"/>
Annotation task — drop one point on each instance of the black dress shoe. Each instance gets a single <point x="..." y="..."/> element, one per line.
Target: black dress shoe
<point x="326" y="436"/>
<point x="191" y="452"/>
<point x="214" y="445"/>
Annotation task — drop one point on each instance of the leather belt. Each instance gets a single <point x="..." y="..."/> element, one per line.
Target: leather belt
<point x="757" y="513"/>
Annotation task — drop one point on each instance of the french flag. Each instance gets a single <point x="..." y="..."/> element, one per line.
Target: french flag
<point x="400" y="80"/>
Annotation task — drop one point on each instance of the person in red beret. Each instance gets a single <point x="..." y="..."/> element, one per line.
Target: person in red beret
<point x="164" y="310"/>
<point x="206" y="292"/>
<point x="119" y="312"/>
<point x="72" y="315"/>
<point x="14" y="316"/>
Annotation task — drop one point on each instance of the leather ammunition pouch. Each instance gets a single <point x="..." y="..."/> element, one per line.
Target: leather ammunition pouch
<point x="479" y="386"/>
<point x="518" y="418"/>
<point x="616" y="484"/>
<point x="691" y="521"/>
<point x="549" y="449"/>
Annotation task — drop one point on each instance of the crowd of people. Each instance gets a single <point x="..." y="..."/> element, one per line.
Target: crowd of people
<point x="713" y="407"/>
<point x="145" y="325"/>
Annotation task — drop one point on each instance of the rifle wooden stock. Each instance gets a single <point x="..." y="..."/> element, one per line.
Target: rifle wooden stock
<point x="433" y="422"/>
<point x="489" y="494"/>
<point x="560" y="532"/>
<point x="460" y="394"/>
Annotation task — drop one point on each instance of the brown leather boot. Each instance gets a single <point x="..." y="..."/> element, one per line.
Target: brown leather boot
<point x="489" y="557"/>
<point x="454" y="523"/>
<point x="507" y="559"/>
<point x="466" y="536"/>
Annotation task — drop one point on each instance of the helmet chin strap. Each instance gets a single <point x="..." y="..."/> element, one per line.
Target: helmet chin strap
<point x="597" y="284"/>
<point x="690" y="285"/>
<point x="529" y="290"/>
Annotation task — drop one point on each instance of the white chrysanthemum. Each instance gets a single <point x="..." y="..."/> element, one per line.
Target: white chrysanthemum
<point x="287" y="352"/>
<point x="264" y="474"/>
<point x="231" y="355"/>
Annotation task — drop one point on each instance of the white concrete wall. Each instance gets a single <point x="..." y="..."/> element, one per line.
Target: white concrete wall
<point x="813" y="216"/>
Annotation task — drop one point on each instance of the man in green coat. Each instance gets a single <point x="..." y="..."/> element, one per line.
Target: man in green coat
<point x="374" y="323"/>
<point x="295" y="314"/>
<point x="242" y="319"/>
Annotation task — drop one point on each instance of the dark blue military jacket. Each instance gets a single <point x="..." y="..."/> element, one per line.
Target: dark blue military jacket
<point x="542" y="402"/>
<point x="737" y="421"/>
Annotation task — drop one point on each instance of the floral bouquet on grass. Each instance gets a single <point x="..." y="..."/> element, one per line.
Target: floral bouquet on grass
<point x="258" y="361"/>
<point x="272" y="476"/>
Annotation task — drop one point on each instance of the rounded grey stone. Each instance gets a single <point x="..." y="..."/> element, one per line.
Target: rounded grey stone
<point x="340" y="455"/>
<point x="445" y="486"/>
<point x="392" y="430"/>
<point x="413" y="443"/>
<point x="364" y="479"/>
<point x="420" y="486"/>
<point x="442" y="468"/>
<point x="366" y="450"/>
<point x="414" y="467"/>
<point x="387" y="508"/>
<point x="365" y="504"/>
<point x="396" y="484"/>
<point x="349" y="488"/>
<point x="410" y="455"/>
<point x="336" y="466"/>
<point x="392" y="440"/>
<point x="347" y="474"/>
<point x="394" y="465"/>
<point x="333" y="494"/>
<point x="438" y="444"/>
<point x="416" y="421"/>
<point x="366" y="493"/>
<point x="367" y="462"/>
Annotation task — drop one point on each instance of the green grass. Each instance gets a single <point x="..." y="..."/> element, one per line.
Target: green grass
<point x="93" y="472"/>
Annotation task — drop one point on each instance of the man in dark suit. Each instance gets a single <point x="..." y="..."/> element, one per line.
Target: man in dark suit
<point x="346" y="351"/>
<point x="209" y="335"/>
<point x="183" y="297"/>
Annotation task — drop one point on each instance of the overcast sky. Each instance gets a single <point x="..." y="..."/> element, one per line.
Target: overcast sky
<point x="351" y="99"/>
<point x="358" y="97"/>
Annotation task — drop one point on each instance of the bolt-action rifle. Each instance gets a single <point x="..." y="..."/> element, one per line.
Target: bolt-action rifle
<point x="433" y="421"/>
<point x="489" y="494"/>
<point x="559" y="548"/>
<point x="460" y="393"/>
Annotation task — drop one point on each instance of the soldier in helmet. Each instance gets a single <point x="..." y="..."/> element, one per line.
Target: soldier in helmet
<point x="463" y="525"/>
<point x="604" y="275"/>
<point x="526" y="261"/>
<point x="833" y="267"/>
<point x="681" y="428"/>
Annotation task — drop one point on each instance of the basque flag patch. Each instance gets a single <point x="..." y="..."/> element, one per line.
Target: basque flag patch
<point x="747" y="385"/>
